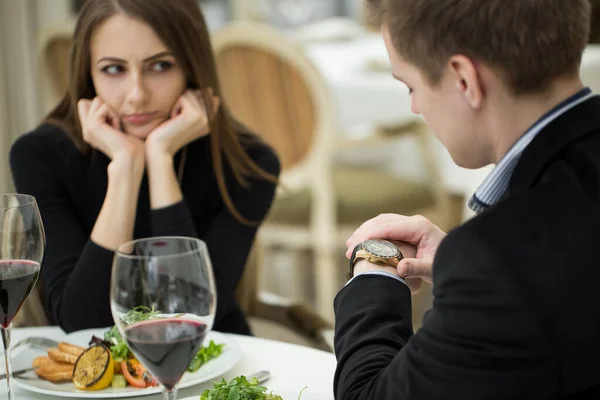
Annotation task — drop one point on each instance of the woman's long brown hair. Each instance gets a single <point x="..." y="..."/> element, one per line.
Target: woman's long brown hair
<point x="182" y="28"/>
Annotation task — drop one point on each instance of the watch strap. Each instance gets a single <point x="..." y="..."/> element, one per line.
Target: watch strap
<point x="353" y="260"/>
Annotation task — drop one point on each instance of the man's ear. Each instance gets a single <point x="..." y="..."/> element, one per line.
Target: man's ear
<point x="468" y="81"/>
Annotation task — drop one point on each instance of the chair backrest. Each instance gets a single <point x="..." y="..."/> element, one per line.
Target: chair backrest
<point x="57" y="61"/>
<point x="54" y="54"/>
<point x="271" y="86"/>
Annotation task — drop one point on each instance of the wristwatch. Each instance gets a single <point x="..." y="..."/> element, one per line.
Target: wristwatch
<point x="380" y="252"/>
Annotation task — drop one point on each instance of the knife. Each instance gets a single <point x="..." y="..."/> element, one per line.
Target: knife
<point x="19" y="372"/>
<point x="262" y="376"/>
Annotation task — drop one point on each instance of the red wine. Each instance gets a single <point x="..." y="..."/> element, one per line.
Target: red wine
<point x="17" y="280"/>
<point x="166" y="346"/>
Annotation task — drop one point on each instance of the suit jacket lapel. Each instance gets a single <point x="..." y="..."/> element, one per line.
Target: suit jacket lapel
<point x="575" y="124"/>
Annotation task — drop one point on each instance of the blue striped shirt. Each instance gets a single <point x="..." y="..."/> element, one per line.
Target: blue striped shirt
<point x="495" y="184"/>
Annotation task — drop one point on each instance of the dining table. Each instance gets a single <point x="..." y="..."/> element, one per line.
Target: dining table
<point x="292" y="367"/>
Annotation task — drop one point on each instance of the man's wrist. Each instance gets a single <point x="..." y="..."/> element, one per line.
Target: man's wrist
<point x="363" y="265"/>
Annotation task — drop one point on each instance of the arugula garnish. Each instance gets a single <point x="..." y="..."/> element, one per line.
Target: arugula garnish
<point x="139" y="314"/>
<point x="238" y="389"/>
<point x="118" y="347"/>
<point x="205" y="355"/>
<point x="113" y="340"/>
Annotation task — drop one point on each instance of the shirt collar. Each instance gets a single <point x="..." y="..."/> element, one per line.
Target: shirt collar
<point x="495" y="184"/>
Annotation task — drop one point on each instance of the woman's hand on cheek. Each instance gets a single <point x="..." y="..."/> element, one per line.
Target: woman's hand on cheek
<point x="189" y="121"/>
<point x="100" y="129"/>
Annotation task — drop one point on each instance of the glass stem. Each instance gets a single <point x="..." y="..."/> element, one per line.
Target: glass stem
<point x="6" y="344"/>
<point x="170" y="394"/>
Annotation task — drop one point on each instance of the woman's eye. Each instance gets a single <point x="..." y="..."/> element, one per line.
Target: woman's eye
<point x="161" y="66"/>
<point x="113" y="69"/>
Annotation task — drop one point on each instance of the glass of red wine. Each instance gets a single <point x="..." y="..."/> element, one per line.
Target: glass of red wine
<point x="22" y="243"/>
<point x="163" y="302"/>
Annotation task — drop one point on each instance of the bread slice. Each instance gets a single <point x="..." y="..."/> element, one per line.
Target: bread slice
<point x="70" y="349"/>
<point x="53" y="371"/>
<point x="61" y="357"/>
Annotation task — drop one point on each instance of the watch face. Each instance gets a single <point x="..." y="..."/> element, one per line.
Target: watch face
<point x="381" y="248"/>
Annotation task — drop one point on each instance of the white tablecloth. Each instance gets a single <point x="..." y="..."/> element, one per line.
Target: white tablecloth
<point x="366" y="96"/>
<point x="292" y="367"/>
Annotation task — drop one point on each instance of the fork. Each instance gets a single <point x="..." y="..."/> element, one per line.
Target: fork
<point x="37" y="342"/>
<point x="20" y="374"/>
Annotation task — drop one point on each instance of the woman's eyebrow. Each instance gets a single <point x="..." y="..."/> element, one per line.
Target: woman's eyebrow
<point x="153" y="57"/>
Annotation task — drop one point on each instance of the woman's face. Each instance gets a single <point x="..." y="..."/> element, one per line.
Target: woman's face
<point x="134" y="73"/>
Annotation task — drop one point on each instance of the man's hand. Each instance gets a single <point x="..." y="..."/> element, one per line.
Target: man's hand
<point x="417" y="230"/>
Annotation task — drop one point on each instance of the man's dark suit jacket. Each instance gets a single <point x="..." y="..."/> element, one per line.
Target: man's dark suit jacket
<point x="516" y="310"/>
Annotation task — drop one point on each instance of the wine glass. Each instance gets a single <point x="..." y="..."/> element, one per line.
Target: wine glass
<point x="22" y="243"/>
<point x="172" y="278"/>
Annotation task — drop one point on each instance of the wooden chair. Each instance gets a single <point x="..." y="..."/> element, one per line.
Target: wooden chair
<point x="55" y="48"/>
<point x="272" y="87"/>
<point x="287" y="321"/>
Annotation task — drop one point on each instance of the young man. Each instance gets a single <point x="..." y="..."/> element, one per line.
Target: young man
<point x="515" y="314"/>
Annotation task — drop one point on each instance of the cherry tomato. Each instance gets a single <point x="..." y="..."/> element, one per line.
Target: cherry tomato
<point x="136" y="375"/>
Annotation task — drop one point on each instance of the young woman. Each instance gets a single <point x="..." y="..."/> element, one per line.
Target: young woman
<point x="141" y="145"/>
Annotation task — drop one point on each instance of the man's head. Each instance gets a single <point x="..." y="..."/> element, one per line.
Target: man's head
<point x="468" y="61"/>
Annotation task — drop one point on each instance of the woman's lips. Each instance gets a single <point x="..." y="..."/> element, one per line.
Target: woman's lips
<point x="139" y="119"/>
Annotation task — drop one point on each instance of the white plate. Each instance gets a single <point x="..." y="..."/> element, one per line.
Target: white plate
<point x="211" y="370"/>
